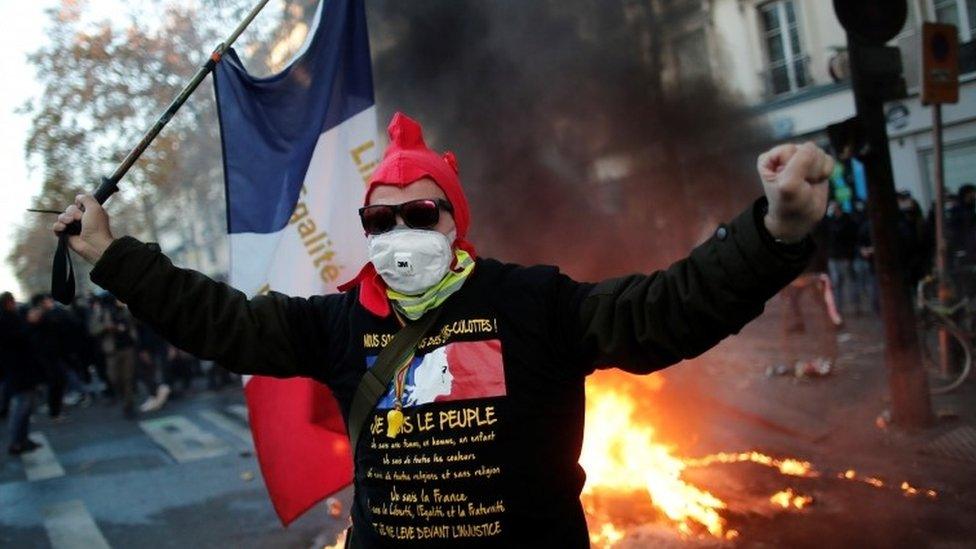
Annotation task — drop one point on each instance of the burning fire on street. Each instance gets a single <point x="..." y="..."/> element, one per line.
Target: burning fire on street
<point x="635" y="479"/>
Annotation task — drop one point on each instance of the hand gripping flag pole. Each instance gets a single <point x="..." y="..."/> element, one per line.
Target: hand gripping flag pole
<point x="62" y="272"/>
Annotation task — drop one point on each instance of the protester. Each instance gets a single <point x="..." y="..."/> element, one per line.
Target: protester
<point x="841" y="242"/>
<point x="914" y="246"/>
<point x="21" y="371"/>
<point x="184" y="367"/>
<point x="98" y="353"/>
<point x="51" y="340"/>
<point x="74" y="349"/>
<point x="87" y="353"/>
<point x="500" y="426"/>
<point x="809" y="316"/>
<point x="114" y="326"/>
<point x="153" y="365"/>
<point x="864" y="267"/>
<point x="961" y="229"/>
<point x="218" y="377"/>
<point x="809" y="333"/>
<point x="4" y="392"/>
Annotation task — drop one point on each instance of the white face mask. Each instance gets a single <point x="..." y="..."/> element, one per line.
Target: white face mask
<point x="411" y="260"/>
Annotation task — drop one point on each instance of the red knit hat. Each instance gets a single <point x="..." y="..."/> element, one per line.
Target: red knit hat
<point x="407" y="160"/>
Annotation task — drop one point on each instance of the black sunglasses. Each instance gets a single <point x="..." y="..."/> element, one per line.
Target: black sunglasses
<point x="416" y="214"/>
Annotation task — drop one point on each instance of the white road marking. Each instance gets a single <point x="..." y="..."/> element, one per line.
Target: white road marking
<point x="227" y="424"/>
<point x="41" y="463"/>
<point x="183" y="439"/>
<point x="70" y="526"/>
<point x="240" y="411"/>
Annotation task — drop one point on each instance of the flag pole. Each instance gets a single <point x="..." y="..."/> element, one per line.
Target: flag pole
<point x="62" y="272"/>
<point x="109" y="184"/>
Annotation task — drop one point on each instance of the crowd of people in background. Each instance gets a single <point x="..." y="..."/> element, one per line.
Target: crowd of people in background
<point x="840" y="281"/>
<point x="92" y="351"/>
<point x="848" y="251"/>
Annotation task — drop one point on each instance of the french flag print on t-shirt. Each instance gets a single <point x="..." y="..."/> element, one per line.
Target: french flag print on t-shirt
<point x="457" y="371"/>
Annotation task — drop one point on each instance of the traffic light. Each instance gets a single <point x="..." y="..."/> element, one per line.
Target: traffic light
<point x="940" y="63"/>
<point x="847" y="139"/>
<point x="872" y="22"/>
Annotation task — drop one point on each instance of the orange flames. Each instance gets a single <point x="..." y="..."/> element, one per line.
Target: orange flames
<point x="340" y="542"/>
<point x="788" y="499"/>
<point x="906" y="489"/>
<point x="621" y="454"/>
<point x="623" y="458"/>
<point x="630" y="472"/>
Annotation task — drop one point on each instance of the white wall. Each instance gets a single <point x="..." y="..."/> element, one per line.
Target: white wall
<point x="909" y="142"/>
<point x="813" y="115"/>
<point x="735" y="31"/>
<point x="736" y="42"/>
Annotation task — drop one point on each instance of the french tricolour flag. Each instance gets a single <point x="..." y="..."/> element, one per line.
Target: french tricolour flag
<point x="298" y="148"/>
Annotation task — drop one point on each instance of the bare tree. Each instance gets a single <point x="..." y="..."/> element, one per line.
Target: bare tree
<point x="103" y="85"/>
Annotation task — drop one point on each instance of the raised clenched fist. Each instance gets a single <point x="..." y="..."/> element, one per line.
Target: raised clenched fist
<point x="95" y="234"/>
<point x="794" y="178"/>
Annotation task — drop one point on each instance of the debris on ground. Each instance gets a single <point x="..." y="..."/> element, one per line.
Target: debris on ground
<point x="883" y="420"/>
<point x="817" y="367"/>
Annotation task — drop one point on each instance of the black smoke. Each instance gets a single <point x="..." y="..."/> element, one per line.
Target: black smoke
<point x="543" y="102"/>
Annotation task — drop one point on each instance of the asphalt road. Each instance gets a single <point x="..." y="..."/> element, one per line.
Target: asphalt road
<point x="184" y="476"/>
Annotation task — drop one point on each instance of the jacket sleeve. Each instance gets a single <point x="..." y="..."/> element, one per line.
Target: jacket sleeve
<point x="642" y="323"/>
<point x="266" y="335"/>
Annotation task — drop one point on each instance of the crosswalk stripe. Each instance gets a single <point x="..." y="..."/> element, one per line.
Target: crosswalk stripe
<point x="227" y="424"/>
<point x="41" y="463"/>
<point x="183" y="439"/>
<point x="239" y="410"/>
<point x="70" y="526"/>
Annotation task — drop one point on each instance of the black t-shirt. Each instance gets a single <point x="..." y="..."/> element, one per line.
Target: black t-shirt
<point x="493" y="403"/>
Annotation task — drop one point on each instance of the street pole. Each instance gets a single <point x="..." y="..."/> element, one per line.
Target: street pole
<point x="941" y="267"/>
<point x="910" y="404"/>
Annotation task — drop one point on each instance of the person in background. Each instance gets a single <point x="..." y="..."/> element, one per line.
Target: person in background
<point x="809" y="333"/>
<point x="841" y="241"/>
<point x="152" y="365"/>
<point x="114" y="326"/>
<point x="183" y="366"/>
<point x="961" y="228"/>
<point x="98" y="352"/>
<point x="4" y="390"/>
<point x="20" y="370"/>
<point x="50" y="340"/>
<point x="87" y="352"/>
<point x="74" y="356"/>
<point x="863" y="264"/>
<point x="218" y="377"/>
<point x="914" y="246"/>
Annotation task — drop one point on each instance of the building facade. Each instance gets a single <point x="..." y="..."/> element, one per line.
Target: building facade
<point x="776" y="56"/>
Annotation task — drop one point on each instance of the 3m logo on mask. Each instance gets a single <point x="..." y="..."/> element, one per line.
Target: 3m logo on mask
<point x="411" y="260"/>
<point x="403" y="262"/>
